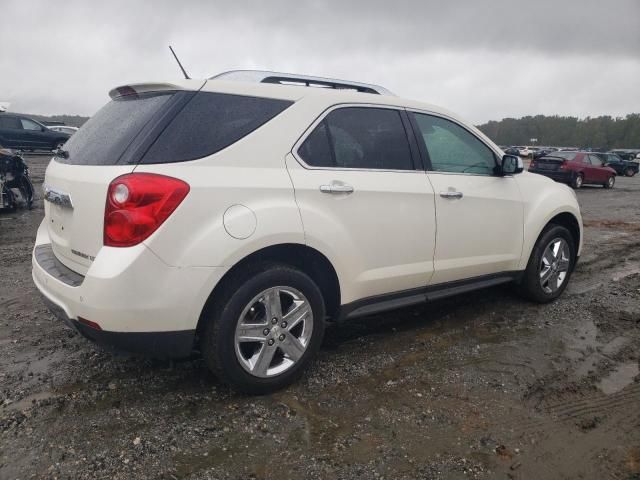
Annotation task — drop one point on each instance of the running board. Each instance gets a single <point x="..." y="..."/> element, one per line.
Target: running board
<point x="407" y="298"/>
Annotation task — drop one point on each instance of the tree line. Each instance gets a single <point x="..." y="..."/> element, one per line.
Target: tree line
<point x="596" y="132"/>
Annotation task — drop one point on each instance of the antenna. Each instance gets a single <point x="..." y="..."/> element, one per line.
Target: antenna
<point x="179" y="64"/>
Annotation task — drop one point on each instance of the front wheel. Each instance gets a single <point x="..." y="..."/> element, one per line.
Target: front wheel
<point x="630" y="172"/>
<point x="611" y="181"/>
<point x="265" y="329"/>
<point x="550" y="265"/>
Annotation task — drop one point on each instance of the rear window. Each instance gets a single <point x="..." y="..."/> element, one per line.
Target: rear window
<point x="106" y="135"/>
<point x="566" y="155"/>
<point x="209" y="123"/>
<point x="167" y="127"/>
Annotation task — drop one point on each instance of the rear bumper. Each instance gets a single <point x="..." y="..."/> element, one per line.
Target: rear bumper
<point x="557" y="175"/>
<point x="179" y="344"/>
<point x="141" y="304"/>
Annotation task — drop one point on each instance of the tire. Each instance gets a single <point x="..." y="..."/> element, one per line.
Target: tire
<point x="532" y="285"/>
<point x="26" y="188"/>
<point x="250" y="295"/>
<point x="630" y="172"/>
<point x="577" y="181"/>
<point x="58" y="144"/>
<point x="611" y="181"/>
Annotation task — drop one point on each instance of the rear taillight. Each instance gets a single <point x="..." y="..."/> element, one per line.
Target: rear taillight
<point x="532" y="164"/>
<point x="137" y="204"/>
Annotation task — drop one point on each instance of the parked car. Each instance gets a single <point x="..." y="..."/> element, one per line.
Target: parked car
<point x="20" y="132"/>
<point x="622" y="167"/>
<point x="541" y="152"/>
<point x="523" y="151"/>
<point x="575" y="169"/>
<point x="627" y="154"/>
<point x="63" y="128"/>
<point x="237" y="215"/>
<point x="511" y="151"/>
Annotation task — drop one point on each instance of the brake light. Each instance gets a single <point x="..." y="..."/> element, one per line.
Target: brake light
<point x="137" y="204"/>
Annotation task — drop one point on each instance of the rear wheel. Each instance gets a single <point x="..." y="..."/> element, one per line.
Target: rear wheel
<point x="611" y="181"/>
<point x="265" y="330"/>
<point x="577" y="181"/>
<point x="550" y="265"/>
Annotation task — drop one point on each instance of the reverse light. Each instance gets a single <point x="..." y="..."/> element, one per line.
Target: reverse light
<point x="137" y="204"/>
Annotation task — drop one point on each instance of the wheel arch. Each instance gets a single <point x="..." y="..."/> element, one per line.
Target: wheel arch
<point x="565" y="219"/>
<point x="305" y="258"/>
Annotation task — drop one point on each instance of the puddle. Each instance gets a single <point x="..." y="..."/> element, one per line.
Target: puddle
<point x="28" y="401"/>
<point x="619" y="378"/>
<point x="626" y="272"/>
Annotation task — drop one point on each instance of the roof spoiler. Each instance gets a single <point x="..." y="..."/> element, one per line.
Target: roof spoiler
<point x="138" y="88"/>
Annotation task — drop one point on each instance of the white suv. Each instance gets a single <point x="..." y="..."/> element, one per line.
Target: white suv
<point x="237" y="215"/>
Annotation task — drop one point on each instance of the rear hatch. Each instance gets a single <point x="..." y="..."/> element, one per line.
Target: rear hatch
<point x="110" y="144"/>
<point x="549" y="163"/>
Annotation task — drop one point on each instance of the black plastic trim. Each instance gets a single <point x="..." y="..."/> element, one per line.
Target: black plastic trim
<point x="48" y="261"/>
<point x="135" y="152"/>
<point x="406" y="298"/>
<point x="413" y="143"/>
<point x="173" y="344"/>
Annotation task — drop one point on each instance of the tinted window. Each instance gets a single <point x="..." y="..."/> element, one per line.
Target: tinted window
<point x="566" y="155"/>
<point x="209" y="123"/>
<point x="316" y="150"/>
<point x="29" y="124"/>
<point x="596" y="161"/>
<point x="104" y="137"/>
<point x="451" y="148"/>
<point x="357" y="137"/>
<point x="10" y="122"/>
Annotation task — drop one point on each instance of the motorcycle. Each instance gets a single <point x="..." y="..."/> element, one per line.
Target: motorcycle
<point x="16" y="188"/>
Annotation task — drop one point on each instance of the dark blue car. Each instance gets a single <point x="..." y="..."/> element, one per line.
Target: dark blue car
<point x="23" y="133"/>
<point x="622" y="167"/>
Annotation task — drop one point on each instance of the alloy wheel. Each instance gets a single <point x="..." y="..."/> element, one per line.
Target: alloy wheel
<point x="554" y="265"/>
<point x="273" y="331"/>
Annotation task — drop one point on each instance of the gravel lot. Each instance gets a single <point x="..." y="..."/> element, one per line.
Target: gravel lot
<point x="480" y="386"/>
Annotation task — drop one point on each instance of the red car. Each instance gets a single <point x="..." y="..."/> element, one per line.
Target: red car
<point x="575" y="169"/>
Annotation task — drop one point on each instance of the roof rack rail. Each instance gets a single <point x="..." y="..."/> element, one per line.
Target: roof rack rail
<point x="260" y="76"/>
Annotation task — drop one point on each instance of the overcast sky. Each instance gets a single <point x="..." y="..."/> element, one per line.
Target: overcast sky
<point x="482" y="59"/>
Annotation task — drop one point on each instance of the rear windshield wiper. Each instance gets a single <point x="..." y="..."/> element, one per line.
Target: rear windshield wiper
<point x="62" y="153"/>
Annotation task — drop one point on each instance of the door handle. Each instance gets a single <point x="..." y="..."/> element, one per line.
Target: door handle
<point x="451" y="194"/>
<point x="336" y="188"/>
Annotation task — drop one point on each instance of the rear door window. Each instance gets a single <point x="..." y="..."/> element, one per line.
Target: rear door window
<point x="359" y="137"/>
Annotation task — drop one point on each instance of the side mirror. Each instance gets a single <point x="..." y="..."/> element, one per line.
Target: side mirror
<point x="512" y="165"/>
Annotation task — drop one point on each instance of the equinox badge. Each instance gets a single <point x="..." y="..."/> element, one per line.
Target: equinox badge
<point x="57" y="197"/>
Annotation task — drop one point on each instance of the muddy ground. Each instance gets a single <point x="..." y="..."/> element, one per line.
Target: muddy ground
<point x="482" y="386"/>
